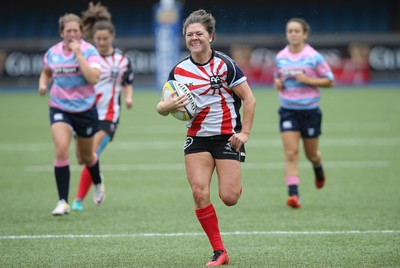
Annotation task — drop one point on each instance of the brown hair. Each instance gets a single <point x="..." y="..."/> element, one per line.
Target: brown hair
<point x="96" y="17"/>
<point x="204" y="18"/>
<point x="69" y="17"/>
<point x="303" y="22"/>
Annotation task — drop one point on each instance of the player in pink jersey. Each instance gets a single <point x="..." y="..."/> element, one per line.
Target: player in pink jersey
<point x="116" y="76"/>
<point x="216" y="135"/>
<point x="299" y="71"/>
<point x="72" y="68"/>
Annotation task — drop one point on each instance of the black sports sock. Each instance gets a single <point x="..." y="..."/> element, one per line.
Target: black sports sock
<point x="293" y="190"/>
<point x="95" y="172"/>
<point x="319" y="172"/>
<point x="62" y="175"/>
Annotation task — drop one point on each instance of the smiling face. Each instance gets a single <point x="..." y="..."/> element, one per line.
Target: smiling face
<point x="70" y="32"/>
<point x="197" y="39"/>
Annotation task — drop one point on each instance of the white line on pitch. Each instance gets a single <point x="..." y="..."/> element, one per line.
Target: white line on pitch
<point x="180" y="166"/>
<point x="172" y="144"/>
<point x="349" y="232"/>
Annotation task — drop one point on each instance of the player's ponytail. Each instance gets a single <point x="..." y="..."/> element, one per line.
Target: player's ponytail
<point x="95" y="14"/>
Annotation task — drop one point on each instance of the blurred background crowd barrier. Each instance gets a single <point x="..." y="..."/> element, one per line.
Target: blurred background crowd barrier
<point x="360" y="40"/>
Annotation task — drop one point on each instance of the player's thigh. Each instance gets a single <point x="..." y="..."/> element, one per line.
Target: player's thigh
<point x="290" y="140"/>
<point x="310" y="146"/>
<point x="98" y="139"/>
<point x="85" y="148"/>
<point x="229" y="175"/>
<point x="199" y="169"/>
<point x="62" y="135"/>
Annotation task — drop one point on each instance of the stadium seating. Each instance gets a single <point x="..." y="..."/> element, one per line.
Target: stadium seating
<point x="139" y="22"/>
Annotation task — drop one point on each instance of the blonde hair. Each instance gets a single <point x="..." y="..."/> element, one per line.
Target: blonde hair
<point x="69" y="17"/>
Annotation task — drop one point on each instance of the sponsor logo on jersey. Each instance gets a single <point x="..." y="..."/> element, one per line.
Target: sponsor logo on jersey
<point x="66" y="70"/>
<point x="292" y="72"/>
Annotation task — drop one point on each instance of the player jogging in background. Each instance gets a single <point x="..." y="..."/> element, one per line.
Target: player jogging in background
<point x="299" y="71"/>
<point x="72" y="67"/>
<point x="216" y="135"/>
<point x="116" y="76"/>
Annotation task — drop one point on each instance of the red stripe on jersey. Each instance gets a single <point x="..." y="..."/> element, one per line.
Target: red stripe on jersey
<point x="228" y="90"/>
<point x="98" y="96"/>
<point x="197" y="121"/>
<point x="110" y="110"/>
<point x="194" y="87"/>
<point x="122" y="58"/>
<point x="226" y="126"/>
<point x="182" y="72"/>
<point x="204" y="71"/>
<point x="221" y="64"/>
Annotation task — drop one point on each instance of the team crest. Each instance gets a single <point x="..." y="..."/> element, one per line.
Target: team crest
<point x="311" y="131"/>
<point x="114" y="73"/>
<point x="215" y="82"/>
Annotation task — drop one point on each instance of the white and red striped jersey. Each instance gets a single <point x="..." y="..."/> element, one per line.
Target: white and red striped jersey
<point x="218" y="106"/>
<point x="116" y="72"/>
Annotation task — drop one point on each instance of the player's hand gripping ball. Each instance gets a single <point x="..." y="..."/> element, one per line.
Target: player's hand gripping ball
<point x="171" y="87"/>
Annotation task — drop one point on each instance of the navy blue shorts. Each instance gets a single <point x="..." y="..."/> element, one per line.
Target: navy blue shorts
<point x="217" y="146"/>
<point x="84" y="124"/>
<point x="307" y="122"/>
<point x="109" y="127"/>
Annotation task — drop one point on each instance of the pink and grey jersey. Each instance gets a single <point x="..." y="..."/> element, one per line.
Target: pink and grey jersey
<point x="70" y="91"/>
<point x="295" y="95"/>
<point x="211" y="84"/>
<point x="116" y="72"/>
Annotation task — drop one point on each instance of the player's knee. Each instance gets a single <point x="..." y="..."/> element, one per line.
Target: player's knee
<point x="314" y="158"/>
<point x="292" y="156"/>
<point x="86" y="160"/>
<point x="199" y="194"/>
<point x="79" y="160"/>
<point x="230" y="199"/>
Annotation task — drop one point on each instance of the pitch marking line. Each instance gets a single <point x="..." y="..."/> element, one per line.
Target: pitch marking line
<point x="181" y="166"/>
<point x="167" y="145"/>
<point x="350" y="232"/>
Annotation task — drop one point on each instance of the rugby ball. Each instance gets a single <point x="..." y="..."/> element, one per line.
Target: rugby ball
<point x="175" y="87"/>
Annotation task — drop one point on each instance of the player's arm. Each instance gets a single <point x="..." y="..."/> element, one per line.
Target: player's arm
<point x="127" y="84"/>
<point x="172" y="103"/>
<point x="44" y="81"/>
<point x="128" y="94"/>
<point x="314" y="82"/>
<point x="278" y="84"/>
<point x="244" y="92"/>
<point x="324" y="75"/>
<point x="92" y="75"/>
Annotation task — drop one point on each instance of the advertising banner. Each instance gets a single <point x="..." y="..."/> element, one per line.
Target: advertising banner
<point x="355" y="64"/>
<point x="167" y="39"/>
